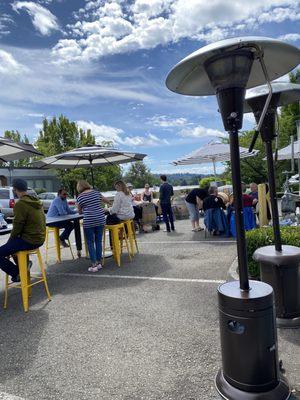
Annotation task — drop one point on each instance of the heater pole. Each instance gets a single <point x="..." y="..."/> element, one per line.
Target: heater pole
<point x="238" y="205"/>
<point x="273" y="197"/>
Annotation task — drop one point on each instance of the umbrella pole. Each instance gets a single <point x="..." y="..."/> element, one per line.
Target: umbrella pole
<point x="92" y="172"/>
<point x="92" y="175"/>
<point x="215" y="172"/>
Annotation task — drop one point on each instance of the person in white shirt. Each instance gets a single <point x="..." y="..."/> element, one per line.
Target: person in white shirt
<point x="122" y="208"/>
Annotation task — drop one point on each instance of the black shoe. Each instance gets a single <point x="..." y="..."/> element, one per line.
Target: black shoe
<point x="64" y="243"/>
<point x="16" y="278"/>
<point x="29" y="265"/>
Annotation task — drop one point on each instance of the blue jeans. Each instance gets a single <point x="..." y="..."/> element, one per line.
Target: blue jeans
<point x="8" y="249"/>
<point x="168" y="216"/>
<point x="93" y="237"/>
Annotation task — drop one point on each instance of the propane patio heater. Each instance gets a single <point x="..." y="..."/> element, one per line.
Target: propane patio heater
<point x="247" y="324"/>
<point x="279" y="264"/>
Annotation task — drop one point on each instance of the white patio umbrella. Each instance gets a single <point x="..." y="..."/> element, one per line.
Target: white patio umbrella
<point x="287" y="153"/>
<point x="212" y="152"/>
<point x="88" y="157"/>
<point x="12" y="151"/>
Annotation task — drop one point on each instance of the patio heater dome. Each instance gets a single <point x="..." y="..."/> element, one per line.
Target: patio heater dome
<point x="285" y="93"/>
<point x="279" y="264"/>
<point x="226" y="69"/>
<point x="189" y="77"/>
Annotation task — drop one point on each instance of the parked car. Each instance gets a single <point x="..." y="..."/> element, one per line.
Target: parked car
<point x="47" y="198"/>
<point x="8" y="199"/>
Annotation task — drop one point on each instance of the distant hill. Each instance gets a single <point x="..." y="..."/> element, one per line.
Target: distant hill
<point x="183" y="179"/>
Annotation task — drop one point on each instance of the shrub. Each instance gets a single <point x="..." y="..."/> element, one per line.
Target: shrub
<point x="206" y="181"/>
<point x="264" y="237"/>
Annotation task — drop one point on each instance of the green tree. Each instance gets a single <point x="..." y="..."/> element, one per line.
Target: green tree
<point x="60" y="135"/>
<point x="139" y="174"/>
<point x="204" y="182"/>
<point x="17" y="137"/>
<point x="254" y="169"/>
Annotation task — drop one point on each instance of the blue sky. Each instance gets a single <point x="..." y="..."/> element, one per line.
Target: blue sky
<point x="104" y="63"/>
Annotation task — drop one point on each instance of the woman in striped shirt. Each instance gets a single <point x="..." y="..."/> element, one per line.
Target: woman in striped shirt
<point x="89" y="203"/>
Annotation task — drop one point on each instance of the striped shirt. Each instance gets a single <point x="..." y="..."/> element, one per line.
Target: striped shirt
<point x="93" y="213"/>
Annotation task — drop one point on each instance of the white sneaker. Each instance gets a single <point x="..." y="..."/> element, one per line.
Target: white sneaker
<point x="94" y="268"/>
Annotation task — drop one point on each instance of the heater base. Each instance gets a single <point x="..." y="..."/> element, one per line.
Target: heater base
<point x="229" y="392"/>
<point x="288" y="322"/>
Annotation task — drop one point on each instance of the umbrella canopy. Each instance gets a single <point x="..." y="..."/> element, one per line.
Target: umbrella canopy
<point x="212" y="152"/>
<point x="88" y="156"/>
<point x="286" y="152"/>
<point x="12" y="151"/>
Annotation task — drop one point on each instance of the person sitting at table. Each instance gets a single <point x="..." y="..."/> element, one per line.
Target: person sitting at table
<point x="29" y="228"/>
<point x="89" y="203"/>
<point x="214" y="217"/>
<point x="138" y="212"/>
<point x="122" y="208"/>
<point x="58" y="208"/>
<point x="147" y="194"/>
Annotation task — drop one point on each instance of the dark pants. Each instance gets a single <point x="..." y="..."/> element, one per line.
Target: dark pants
<point x="168" y="216"/>
<point x="11" y="247"/>
<point x="68" y="227"/>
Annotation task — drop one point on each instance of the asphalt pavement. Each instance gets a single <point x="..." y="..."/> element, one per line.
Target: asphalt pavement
<point x="147" y="330"/>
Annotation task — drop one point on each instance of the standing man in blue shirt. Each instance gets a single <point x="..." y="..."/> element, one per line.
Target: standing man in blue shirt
<point x="165" y="194"/>
<point x="60" y="207"/>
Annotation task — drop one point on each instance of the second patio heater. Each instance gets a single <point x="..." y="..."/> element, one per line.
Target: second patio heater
<point x="247" y="324"/>
<point x="279" y="264"/>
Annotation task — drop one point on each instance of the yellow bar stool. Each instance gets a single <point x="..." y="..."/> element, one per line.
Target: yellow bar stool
<point x="130" y="230"/>
<point x="118" y="236"/>
<point x="25" y="278"/>
<point x="55" y="231"/>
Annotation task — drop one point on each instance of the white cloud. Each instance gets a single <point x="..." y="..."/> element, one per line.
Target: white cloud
<point x="290" y="37"/>
<point x="164" y="121"/>
<point x="43" y="20"/>
<point x="38" y="126"/>
<point x="69" y="85"/>
<point x="200" y="131"/>
<point x="117" y="136"/>
<point x="5" y="21"/>
<point x="249" y="117"/>
<point x="35" y="115"/>
<point x="102" y="132"/>
<point x="9" y="65"/>
<point x="149" y="140"/>
<point x="116" y="27"/>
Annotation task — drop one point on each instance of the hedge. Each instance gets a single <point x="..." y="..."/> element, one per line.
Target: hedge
<point x="264" y="237"/>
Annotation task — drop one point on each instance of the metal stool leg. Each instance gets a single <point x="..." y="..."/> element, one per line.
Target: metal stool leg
<point x="42" y="268"/>
<point x="22" y="262"/>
